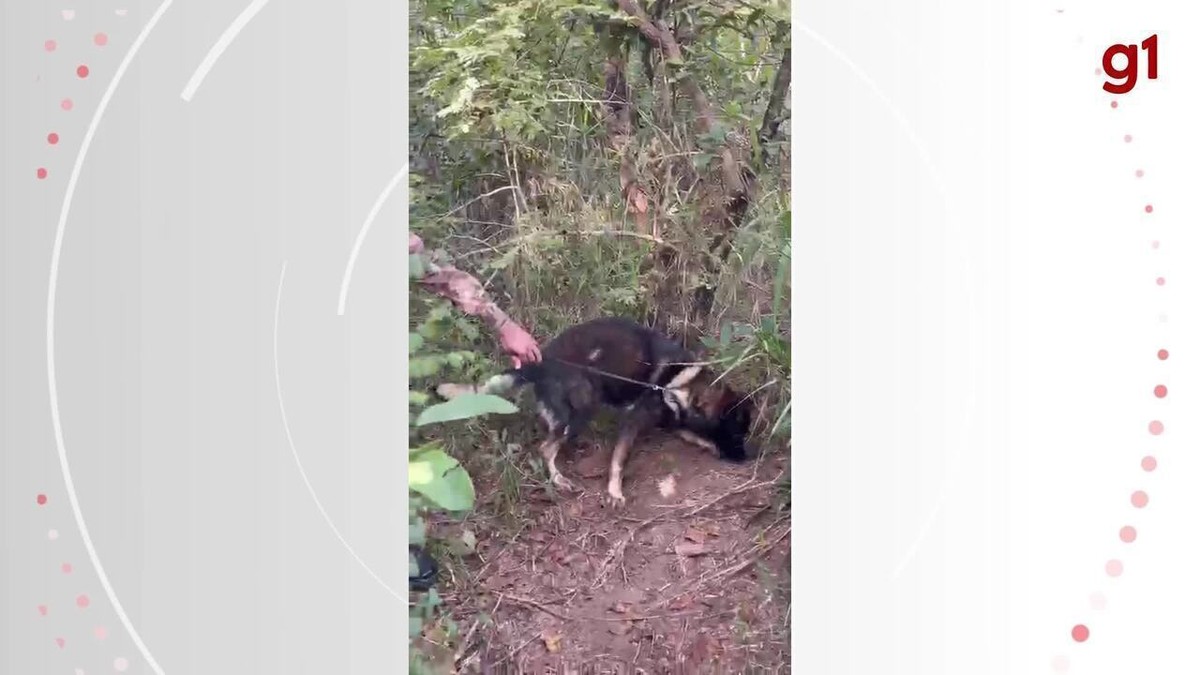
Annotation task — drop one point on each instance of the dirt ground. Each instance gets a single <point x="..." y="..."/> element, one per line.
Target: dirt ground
<point x="691" y="576"/>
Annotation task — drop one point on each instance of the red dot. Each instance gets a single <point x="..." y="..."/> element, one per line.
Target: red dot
<point x="82" y="601"/>
<point x="67" y="104"/>
<point x="1149" y="208"/>
<point x="41" y="499"/>
<point x="52" y="139"/>
<point x="1163" y="354"/>
<point x="82" y="71"/>
<point x="100" y="39"/>
<point x="1080" y="633"/>
<point x="1149" y="463"/>
<point x="41" y="173"/>
<point x="1160" y="391"/>
<point x="51" y="45"/>
<point x="1114" y="104"/>
<point x="66" y="568"/>
<point x="1156" y="428"/>
<point x="1128" y="534"/>
<point x="1139" y="499"/>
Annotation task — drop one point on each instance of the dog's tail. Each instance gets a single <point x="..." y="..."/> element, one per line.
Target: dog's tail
<point x="503" y="383"/>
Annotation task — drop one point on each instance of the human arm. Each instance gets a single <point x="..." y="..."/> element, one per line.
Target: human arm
<point x="468" y="295"/>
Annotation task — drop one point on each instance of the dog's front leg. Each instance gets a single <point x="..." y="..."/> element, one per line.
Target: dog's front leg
<point x="620" y="453"/>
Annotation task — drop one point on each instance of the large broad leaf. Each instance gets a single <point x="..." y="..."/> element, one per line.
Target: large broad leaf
<point x="439" y="477"/>
<point x="464" y="407"/>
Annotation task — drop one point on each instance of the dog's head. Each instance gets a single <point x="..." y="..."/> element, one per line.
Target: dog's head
<point x="717" y="412"/>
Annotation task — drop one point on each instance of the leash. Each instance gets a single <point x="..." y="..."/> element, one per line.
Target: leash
<point x="597" y="371"/>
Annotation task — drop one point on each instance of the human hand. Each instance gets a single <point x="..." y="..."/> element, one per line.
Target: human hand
<point x="519" y="344"/>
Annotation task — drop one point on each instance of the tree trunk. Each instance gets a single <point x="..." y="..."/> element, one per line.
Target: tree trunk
<point x="774" y="115"/>
<point x="619" y="125"/>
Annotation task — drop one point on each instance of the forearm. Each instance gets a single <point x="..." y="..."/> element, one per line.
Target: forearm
<point x="462" y="289"/>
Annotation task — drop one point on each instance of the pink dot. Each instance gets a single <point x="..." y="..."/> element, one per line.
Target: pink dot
<point x="83" y="601"/>
<point x="42" y="609"/>
<point x="1128" y="138"/>
<point x="1160" y="391"/>
<point x="100" y="39"/>
<point x="51" y="45"/>
<point x="1160" y="281"/>
<point x="1114" y="568"/>
<point x="82" y="71"/>
<point x="101" y="632"/>
<point x="60" y="642"/>
<point x="1098" y="71"/>
<point x="1080" y="633"/>
<point x="52" y="139"/>
<point x="1154" y="244"/>
<point x="41" y="174"/>
<point x="67" y="104"/>
<point x="1060" y="664"/>
<point x="1128" y="534"/>
<point x="1163" y="354"/>
<point x="1098" y="601"/>
<point x="121" y="664"/>
<point x="1139" y="499"/>
<point x="1139" y="173"/>
<point x="1156" y="428"/>
<point x="41" y="499"/>
<point x="66" y="568"/>
<point x="1114" y="104"/>
<point x="1149" y="463"/>
<point x="1149" y="208"/>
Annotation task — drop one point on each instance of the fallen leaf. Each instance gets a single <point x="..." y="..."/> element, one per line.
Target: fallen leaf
<point x="620" y="628"/>
<point x="688" y="550"/>
<point x="553" y="641"/>
<point x="682" y="602"/>
<point x="666" y="486"/>
<point x="695" y="535"/>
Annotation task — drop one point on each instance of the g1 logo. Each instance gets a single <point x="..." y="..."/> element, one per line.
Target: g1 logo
<point x="1129" y="74"/>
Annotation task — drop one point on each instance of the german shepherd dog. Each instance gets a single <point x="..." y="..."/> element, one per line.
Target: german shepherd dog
<point x="651" y="379"/>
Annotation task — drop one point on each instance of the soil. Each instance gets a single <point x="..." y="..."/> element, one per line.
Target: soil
<point x="691" y="576"/>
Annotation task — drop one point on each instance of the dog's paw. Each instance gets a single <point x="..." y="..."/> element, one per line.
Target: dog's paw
<point x="449" y="390"/>
<point x="614" y="499"/>
<point x="562" y="483"/>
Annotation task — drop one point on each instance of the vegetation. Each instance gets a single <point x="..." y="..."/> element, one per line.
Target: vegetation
<point x="587" y="158"/>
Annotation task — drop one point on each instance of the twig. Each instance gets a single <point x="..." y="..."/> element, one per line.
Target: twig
<point x="610" y="619"/>
<point x="624" y="233"/>
<point x="482" y="196"/>
<point x="462" y="648"/>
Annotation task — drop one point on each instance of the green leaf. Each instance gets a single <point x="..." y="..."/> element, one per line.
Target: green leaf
<point x="417" y="397"/>
<point x="441" y="479"/>
<point x="416" y="532"/>
<point x="416" y="266"/>
<point x="726" y="334"/>
<point x="464" y="407"/>
<point x="424" y="366"/>
<point x="415" y="342"/>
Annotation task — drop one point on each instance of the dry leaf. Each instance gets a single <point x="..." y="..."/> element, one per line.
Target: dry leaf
<point x="695" y="535"/>
<point x="666" y="486"/>
<point x="553" y="641"/>
<point x="688" y="550"/>
<point x="620" y="628"/>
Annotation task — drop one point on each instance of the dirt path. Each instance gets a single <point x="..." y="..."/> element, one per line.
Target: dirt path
<point x="691" y="576"/>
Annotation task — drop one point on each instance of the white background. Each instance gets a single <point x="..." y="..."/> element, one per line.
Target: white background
<point x="979" y="331"/>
